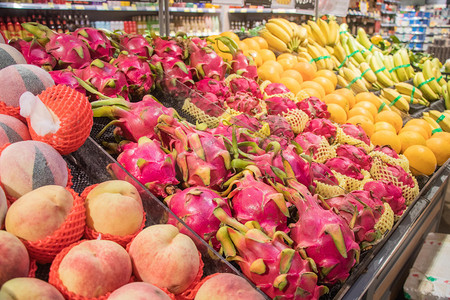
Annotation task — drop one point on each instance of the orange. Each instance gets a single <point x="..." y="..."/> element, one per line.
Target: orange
<point x="256" y="57"/>
<point x="261" y="42"/>
<point x="243" y="46"/>
<point x="390" y="117"/>
<point x="287" y="56"/>
<point x="231" y="35"/>
<point x="337" y="113"/>
<point x="268" y="72"/>
<point x="312" y="92"/>
<point x="348" y="94"/>
<point x="336" y="99"/>
<point x="417" y="129"/>
<point x="364" y="122"/>
<point x="306" y="69"/>
<point x="293" y="74"/>
<point x="368" y="97"/>
<point x="440" y="147"/>
<point x="368" y="106"/>
<point x="421" y="160"/>
<point x="384" y="126"/>
<point x="276" y="65"/>
<point x="292" y="84"/>
<point x="301" y="95"/>
<point x="252" y="44"/>
<point x="329" y="75"/>
<point x="313" y="85"/>
<point x="286" y="64"/>
<point x="422" y="123"/>
<point x="360" y="111"/>
<point x="327" y="85"/>
<point x="302" y="59"/>
<point x="443" y="135"/>
<point x="220" y="46"/>
<point x="410" y="138"/>
<point x="266" y="55"/>
<point x="386" y="138"/>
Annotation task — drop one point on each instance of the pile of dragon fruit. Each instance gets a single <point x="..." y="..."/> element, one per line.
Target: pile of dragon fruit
<point x="277" y="187"/>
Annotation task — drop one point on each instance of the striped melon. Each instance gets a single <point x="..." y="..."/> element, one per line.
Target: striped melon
<point x="12" y="130"/>
<point x="27" y="165"/>
<point x="10" y="56"/>
<point x="17" y="79"/>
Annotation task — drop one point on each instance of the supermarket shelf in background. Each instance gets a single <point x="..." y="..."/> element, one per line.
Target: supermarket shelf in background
<point x="270" y="11"/>
<point x="388" y="25"/>
<point x="194" y="10"/>
<point x="387" y="12"/>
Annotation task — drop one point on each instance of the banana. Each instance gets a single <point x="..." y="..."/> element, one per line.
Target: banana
<point x="336" y="62"/>
<point x="279" y="32"/>
<point x="315" y="53"/>
<point x="339" y="52"/>
<point x="433" y="124"/>
<point x="308" y="30"/>
<point x="405" y="59"/>
<point x="441" y="118"/>
<point x="437" y="70"/>
<point x="354" y="51"/>
<point x="396" y="99"/>
<point x="317" y="33"/>
<point x="284" y="24"/>
<point x="382" y="79"/>
<point x="323" y="25"/>
<point x="401" y="72"/>
<point x="366" y="83"/>
<point x="274" y="42"/>
<point x="411" y="92"/>
<point x="392" y="108"/>
<point x="367" y="72"/>
<point x="354" y="80"/>
<point x="389" y="64"/>
<point x="428" y="74"/>
<point x="302" y="32"/>
<point x="329" y="64"/>
<point x="363" y="39"/>
<point x="334" y="32"/>
<point x="341" y="81"/>
<point x="380" y="58"/>
<point x="446" y="94"/>
<point x="427" y="92"/>
<point x="350" y="58"/>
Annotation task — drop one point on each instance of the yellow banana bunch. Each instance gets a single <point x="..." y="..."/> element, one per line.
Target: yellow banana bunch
<point x="420" y="82"/>
<point x="317" y="34"/>
<point x="430" y="77"/>
<point x="279" y="30"/>
<point x="389" y="64"/>
<point x="367" y="72"/>
<point x="320" y="56"/>
<point x="441" y="118"/>
<point x="274" y="42"/>
<point x="433" y="124"/>
<point x="377" y="68"/>
<point x="412" y="93"/>
<point x="364" y="40"/>
<point x="436" y="69"/>
<point x="354" y="80"/>
<point x="396" y="99"/>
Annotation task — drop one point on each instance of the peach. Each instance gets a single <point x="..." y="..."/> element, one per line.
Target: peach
<point x="95" y="267"/>
<point x="227" y="286"/>
<point x="163" y="256"/>
<point x="25" y="288"/>
<point x="138" y="291"/>
<point x="14" y="258"/>
<point x="114" y="207"/>
<point x="3" y="207"/>
<point x="39" y="213"/>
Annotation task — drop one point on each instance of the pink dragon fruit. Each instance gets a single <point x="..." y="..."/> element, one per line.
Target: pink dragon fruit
<point x="167" y="48"/>
<point x="279" y="126"/>
<point x="105" y="78"/>
<point x="134" y="120"/>
<point x="271" y="264"/>
<point x="34" y="53"/>
<point x="244" y="126"/>
<point x="98" y="44"/>
<point x="206" y="61"/>
<point x="387" y="192"/>
<point x="275" y="89"/>
<point x="199" y="207"/>
<point x="362" y="213"/>
<point x="277" y="105"/>
<point x="137" y="72"/>
<point x="201" y="158"/>
<point x="172" y="75"/>
<point x="356" y="154"/>
<point x="209" y="103"/>
<point x="149" y="164"/>
<point x="356" y="132"/>
<point x="399" y="173"/>
<point x="253" y="200"/>
<point x="244" y="102"/>
<point x="322" y="173"/>
<point x="320" y="234"/>
<point x="247" y="85"/>
<point x="345" y="166"/>
<point x="314" y="108"/>
<point x="66" y="77"/>
<point x="323" y="127"/>
<point x="136" y="44"/>
<point x="208" y="85"/>
<point x="386" y="150"/>
<point x="309" y="142"/>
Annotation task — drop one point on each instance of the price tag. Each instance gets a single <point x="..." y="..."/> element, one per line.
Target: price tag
<point x="104" y="6"/>
<point x="79" y="7"/>
<point x="232" y="10"/>
<point x="69" y="5"/>
<point x="133" y="7"/>
<point x="244" y="10"/>
<point x="51" y="5"/>
<point x="200" y="10"/>
<point x="260" y="10"/>
<point x="186" y="10"/>
<point x="304" y="4"/>
<point x="281" y="11"/>
<point x="117" y="8"/>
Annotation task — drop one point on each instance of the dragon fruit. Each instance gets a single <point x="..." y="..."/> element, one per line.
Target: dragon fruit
<point x="199" y="207"/>
<point x="201" y="158"/>
<point x="279" y="126"/>
<point x="208" y="85"/>
<point x="322" y="127"/>
<point x="309" y="142"/>
<point x="345" y="166"/>
<point x="244" y="102"/>
<point x="356" y="132"/>
<point x="244" y="126"/>
<point x="167" y="48"/>
<point x="244" y="84"/>
<point x="66" y="77"/>
<point x="253" y="200"/>
<point x="98" y="44"/>
<point x="137" y="72"/>
<point x="34" y="53"/>
<point x="105" y="78"/>
<point x="314" y="108"/>
<point x="320" y="234"/>
<point x="276" y="89"/>
<point x="206" y="61"/>
<point x="272" y="265"/>
<point x="209" y="103"/>
<point x="368" y="217"/>
<point x="356" y="154"/>
<point x="401" y="175"/>
<point x="322" y="173"/>
<point x="149" y="164"/>
<point x="134" y="120"/>
<point x="276" y="105"/>
<point x="389" y="193"/>
<point x="136" y="44"/>
<point x="386" y="150"/>
<point x="172" y="75"/>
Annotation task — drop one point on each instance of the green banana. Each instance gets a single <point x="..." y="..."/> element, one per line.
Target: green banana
<point x="355" y="52"/>
<point x="382" y="79"/>
<point x="428" y="93"/>
<point x="367" y="72"/>
<point x="429" y="75"/>
<point x="389" y="64"/>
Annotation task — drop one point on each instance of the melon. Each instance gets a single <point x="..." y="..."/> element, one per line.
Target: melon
<point x="12" y="130"/>
<point x="10" y="56"/>
<point x="17" y="79"/>
<point x="28" y="165"/>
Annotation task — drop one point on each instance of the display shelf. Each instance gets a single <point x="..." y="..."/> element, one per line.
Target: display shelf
<point x="270" y="11"/>
<point x="69" y="6"/>
<point x="388" y="25"/>
<point x="387" y="12"/>
<point x="194" y="10"/>
<point x="392" y="1"/>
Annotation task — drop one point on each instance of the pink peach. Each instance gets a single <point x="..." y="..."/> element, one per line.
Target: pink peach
<point x="14" y="258"/>
<point x="138" y="291"/>
<point x="25" y="288"/>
